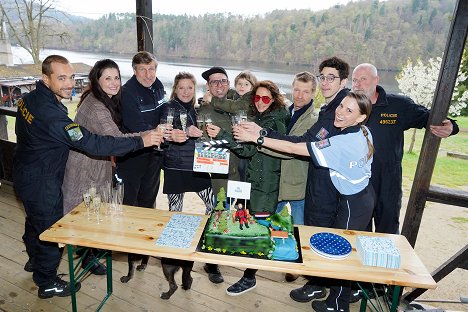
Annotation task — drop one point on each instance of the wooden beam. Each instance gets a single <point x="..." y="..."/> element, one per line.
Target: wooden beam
<point x="447" y="196"/>
<point x="458" y="260"/>
<point x="440" y="106"/>
<point x="144" y="23"/>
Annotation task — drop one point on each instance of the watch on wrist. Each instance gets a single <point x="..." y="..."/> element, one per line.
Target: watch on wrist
<point x="263" y="132"/>
<point x="260" y="140"/>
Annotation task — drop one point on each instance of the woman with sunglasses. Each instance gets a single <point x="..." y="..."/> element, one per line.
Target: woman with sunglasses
<point x="263" y="171"/>
<point x="348" y="156"/>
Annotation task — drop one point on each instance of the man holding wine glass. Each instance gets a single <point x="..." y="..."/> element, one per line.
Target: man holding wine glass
<point x="142" y="99"/>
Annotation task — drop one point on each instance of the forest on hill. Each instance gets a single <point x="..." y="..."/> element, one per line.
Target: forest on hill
<point x="385" y="33"/>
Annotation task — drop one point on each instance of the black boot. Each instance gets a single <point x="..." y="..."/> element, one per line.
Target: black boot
<point x="247" y="224"/>
<point x="240" y="224"/>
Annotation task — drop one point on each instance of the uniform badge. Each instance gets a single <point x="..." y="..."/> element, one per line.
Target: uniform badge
<point x="74" y="132"/>
<point x="322" y="134"/>
<point x="322" y="144"/>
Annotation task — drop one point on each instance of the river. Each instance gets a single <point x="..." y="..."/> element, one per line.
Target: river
<point x="282" y="75"/>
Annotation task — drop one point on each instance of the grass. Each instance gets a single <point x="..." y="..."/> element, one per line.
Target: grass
<point x="448" y="172"/>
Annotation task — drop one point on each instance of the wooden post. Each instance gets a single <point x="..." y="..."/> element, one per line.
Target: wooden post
<point x="440" y="106"/>
<point x="144" y="23"/>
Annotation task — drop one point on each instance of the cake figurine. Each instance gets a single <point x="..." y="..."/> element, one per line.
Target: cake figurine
<point x="241" y="215"/>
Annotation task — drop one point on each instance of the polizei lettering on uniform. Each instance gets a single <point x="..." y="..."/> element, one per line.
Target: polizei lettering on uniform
<point x="388" y="121"/>
<point x="24" y="112"/>
<point x="360" y="163"/>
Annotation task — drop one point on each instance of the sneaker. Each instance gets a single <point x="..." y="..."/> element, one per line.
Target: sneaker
<point x="29" y="266"/>
<point x="57" y="287"/>
<point x="242" y="286"/>
<point x="95" y="267"/>
<point x="307" y="293"/>
<point x="214" y="275"/>
<point x="355" y="296"/>
<point x="291" y="277"/>
<point x="321" y="306"/>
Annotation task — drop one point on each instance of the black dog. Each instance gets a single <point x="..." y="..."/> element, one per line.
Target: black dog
<point x="170" y="267"/>
<point x="132" y="258"/>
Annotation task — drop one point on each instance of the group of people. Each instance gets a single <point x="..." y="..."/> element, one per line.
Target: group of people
<point x="337" y="166"/>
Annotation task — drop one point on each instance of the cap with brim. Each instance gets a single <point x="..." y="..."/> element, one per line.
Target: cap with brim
<point x="213" y="70"/>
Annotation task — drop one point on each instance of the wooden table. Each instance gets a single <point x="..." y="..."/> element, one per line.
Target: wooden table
<point x="137" y="230"/>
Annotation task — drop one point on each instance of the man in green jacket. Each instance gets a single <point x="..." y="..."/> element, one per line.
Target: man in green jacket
<point x="294" y="170"/>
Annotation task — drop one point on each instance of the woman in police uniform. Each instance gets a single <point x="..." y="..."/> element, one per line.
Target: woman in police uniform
<point x="348" y="156"/>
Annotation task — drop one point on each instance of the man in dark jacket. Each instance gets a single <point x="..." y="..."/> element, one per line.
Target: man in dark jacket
<point x="391" y="115"/>
<point x="142" y="97"/>
<point x="45" y="135"/>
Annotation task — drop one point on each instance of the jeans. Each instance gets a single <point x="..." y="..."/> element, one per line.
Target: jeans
<point x="297" y="210"/>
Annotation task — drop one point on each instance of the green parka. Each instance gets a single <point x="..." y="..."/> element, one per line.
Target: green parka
<point x="263" y="171"/>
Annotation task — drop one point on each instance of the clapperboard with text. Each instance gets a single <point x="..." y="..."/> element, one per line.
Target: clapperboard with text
<point x="211" y="157"/>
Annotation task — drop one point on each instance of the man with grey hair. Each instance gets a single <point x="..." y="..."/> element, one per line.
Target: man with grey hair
<point x="142" y="98"/>
<point x="391" y="115"/>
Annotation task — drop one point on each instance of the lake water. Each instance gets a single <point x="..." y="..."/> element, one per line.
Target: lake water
<point x="282" y="75"/>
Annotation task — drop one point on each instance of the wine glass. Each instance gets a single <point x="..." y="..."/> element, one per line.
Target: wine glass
<point x="96" y="203"/>
<point x="242" y="115"/>
<point x="200" y="124"/>
<point x="87" y="202"/>
<point x="183" y="119"/>
<point x="208" y="121"/>
<point x="170" y="116"/>
<point x="160" y="128"/>
<point x="236" y="120"/>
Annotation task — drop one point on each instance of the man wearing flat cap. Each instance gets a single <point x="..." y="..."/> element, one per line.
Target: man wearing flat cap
<point x="217" y="84"/>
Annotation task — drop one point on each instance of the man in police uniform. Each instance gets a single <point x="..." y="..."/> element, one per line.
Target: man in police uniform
<point x="142" y="98"/>
<point x="44" y="136"/>
<point x="391" y="115"/>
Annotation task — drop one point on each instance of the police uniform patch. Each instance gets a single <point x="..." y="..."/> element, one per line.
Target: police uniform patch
<point x="322" y="134"/>
<point x="74" y="132"/>
<point x="322" y="144"/>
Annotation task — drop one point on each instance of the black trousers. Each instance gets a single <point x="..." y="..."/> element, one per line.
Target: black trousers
<point x="354" y="213"/>
<point x="321" y="198"/>
<point x="43" y="203"/>
<point x="141" y="178"/>
<point x="386" y="180"/>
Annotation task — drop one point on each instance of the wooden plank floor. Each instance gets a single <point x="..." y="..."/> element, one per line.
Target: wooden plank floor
<point x="19" y="293"/>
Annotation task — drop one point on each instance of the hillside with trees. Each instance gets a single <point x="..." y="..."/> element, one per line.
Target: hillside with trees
<point x="386" y="33"/>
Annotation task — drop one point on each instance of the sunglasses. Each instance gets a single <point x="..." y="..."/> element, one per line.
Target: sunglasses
<point x="265" y="99"/>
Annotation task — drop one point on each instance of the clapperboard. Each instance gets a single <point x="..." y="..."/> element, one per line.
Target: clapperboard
<point x="211" y="157"/>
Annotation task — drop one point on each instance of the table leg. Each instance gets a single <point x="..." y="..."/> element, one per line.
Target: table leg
<point x="395" y="298"/>
<point x="71" y="269"/>
<point x="109" y="279"/>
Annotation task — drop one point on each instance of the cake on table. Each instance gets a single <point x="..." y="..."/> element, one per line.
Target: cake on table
<point x="236" y="232"/>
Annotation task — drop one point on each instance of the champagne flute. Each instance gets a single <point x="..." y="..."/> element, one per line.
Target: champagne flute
<point x="170" y="116"/>
<point x="208" y="121"/>
<point x="87" y="202"/>
<point x="160" y="128"/>
<point x="200" y="124"/>
<point x="242" y="115"/>
<point x="236" y="120"/>
<point x="183" y="119"/>
<point x="97" y="207"/>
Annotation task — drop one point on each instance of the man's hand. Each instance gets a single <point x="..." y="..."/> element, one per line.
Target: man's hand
<point x="194" y="132"/>
<point x="207" y="97"/>
<point x="442" y="131"/>
<point x="212" y="130"/>
<point x="178" y="136"/>
<point x="152" y="137"/>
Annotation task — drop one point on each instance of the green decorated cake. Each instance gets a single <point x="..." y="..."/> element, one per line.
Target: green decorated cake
<point x="236" y="232"/>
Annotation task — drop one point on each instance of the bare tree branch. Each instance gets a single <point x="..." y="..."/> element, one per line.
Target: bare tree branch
<point x="30" y="22"/>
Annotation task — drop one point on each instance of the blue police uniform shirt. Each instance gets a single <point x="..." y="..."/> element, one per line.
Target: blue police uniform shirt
<point x="346" y="156"/>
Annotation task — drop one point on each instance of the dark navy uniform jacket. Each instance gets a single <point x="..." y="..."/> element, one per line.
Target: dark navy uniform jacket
<point x="391" y="115"/>
<point x="45" y="134"/>
<point x="140" y="108"/>
<point x="321" y="197"/>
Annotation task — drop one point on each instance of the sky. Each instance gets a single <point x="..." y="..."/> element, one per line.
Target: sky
<point x="96" y="8"/>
